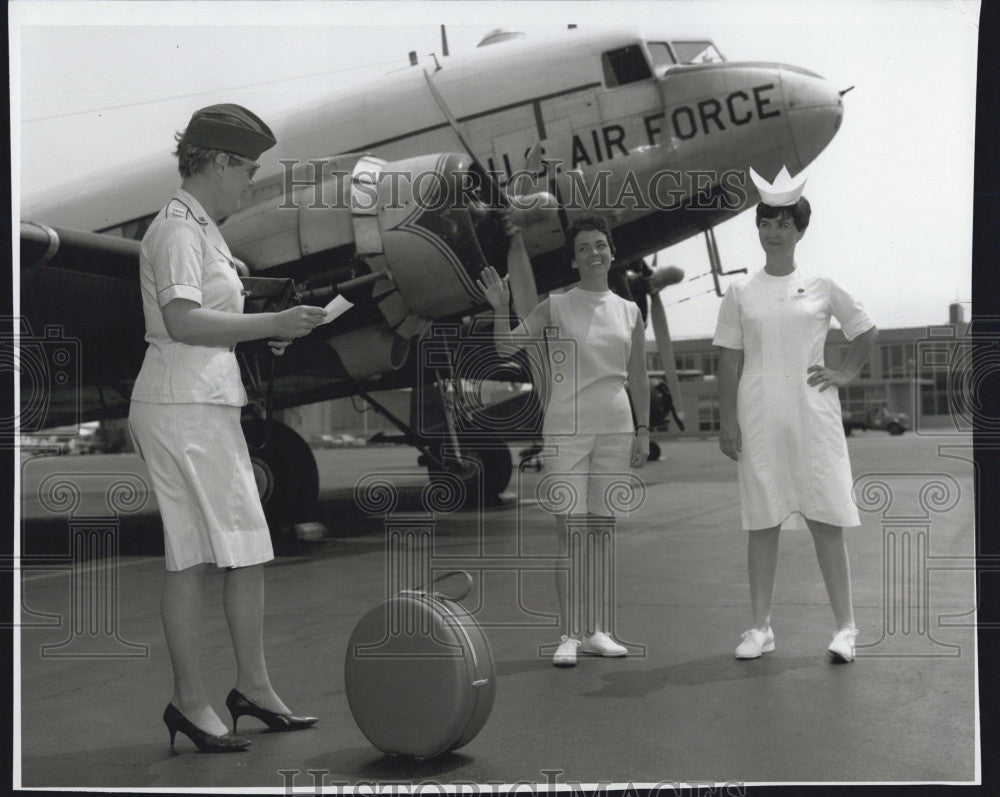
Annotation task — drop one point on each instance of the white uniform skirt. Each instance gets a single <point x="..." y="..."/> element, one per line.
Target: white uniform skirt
<point x="200" y="469"/>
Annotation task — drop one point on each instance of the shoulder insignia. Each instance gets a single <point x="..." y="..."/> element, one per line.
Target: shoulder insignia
<point x="178" y="209"/>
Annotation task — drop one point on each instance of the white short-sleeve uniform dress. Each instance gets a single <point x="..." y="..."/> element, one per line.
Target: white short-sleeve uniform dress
<point x="588" y="417"/>
<point x="184" y="417"/>
<point x="794" y="456"/>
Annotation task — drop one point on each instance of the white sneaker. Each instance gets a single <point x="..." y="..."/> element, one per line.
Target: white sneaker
<point x="602" y="644"/>
<point x="565" y="655"/>
<point x="754" y="643"/>
<point x="842" y="647"/>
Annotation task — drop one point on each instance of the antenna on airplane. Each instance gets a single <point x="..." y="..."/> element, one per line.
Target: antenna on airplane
<point x="842" y="93"/>
<point x="413" y="57"/>
<point x="444" y="41"/>
<point x="437" y="66"/>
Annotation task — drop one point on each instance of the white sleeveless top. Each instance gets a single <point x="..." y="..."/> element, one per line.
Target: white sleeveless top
<point x="588" y="362"/>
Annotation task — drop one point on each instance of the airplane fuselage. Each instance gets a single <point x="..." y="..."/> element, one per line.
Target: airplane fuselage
<point x="634" y="149"/>
<point x="626" y="125"/>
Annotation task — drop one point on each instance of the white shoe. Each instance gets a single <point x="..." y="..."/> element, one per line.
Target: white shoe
<point x="565" y="655"/>
<point x="602" y="644"/>
<point x="754" y="643"/>
<point x="842" y="647"/>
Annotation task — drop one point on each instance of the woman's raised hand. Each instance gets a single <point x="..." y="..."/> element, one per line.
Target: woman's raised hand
<point x="297" y="321"/>
<point x="494" y="288"/>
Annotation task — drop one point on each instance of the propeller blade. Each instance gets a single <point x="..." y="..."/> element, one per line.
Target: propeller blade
<point x="496" y="190"/>
<point x="532" y="163"/>
<point x="533" y="160"/>
<point x="663" y="276"/>
<point x="522" y="277"/>
<point x="666" y="350"/>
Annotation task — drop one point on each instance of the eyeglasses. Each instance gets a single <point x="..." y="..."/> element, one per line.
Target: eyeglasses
<point x="254" y="166"/>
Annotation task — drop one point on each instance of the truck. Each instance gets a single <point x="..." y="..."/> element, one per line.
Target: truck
<point x="877" y="418"/>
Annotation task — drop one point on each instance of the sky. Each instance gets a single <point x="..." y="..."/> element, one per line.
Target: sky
<point x="99" y="85"/>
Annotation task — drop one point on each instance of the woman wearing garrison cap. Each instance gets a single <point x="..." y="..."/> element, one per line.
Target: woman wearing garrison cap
<point x="780" y="411"/>
<point x="185" y="423"/>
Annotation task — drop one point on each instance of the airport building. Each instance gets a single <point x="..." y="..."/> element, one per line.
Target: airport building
<point x="910" y="371"/>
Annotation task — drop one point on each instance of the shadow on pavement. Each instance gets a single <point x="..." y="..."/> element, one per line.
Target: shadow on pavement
<point x="368" y="763"/>
<point x="715" y="669"/>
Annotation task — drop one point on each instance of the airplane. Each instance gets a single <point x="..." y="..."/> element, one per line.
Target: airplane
<point x="393" y="197"/>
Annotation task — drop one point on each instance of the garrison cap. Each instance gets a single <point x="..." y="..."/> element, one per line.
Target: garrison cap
<point x="230" y="128"/>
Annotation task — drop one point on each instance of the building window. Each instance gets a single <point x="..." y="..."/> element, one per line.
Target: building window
<point x="866" y="369"/>
<point x="688" y="362"/>
<point x="897" y="360"/>
<point x="861" y="398"/>
<point x="710" y="363"/>
<point x="944" y="377"/>
<point x="708" y="413"/>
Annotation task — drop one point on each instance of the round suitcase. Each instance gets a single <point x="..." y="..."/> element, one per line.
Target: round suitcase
<point x="419" y="673"/>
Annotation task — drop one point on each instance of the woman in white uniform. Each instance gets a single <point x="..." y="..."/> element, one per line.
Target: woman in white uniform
<point x="185" y="422"/>
<point x="780" y="410"/>
<point x="588" y="421"/>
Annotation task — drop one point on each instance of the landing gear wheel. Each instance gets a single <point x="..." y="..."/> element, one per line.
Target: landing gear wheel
<point x="286" y="474"/>
<point x="654" y="451"/>
<point x="493" y="466"/>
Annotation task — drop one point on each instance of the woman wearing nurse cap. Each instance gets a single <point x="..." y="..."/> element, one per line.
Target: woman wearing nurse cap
<point x="184" y="419"/>
<point x="780" y="411"/>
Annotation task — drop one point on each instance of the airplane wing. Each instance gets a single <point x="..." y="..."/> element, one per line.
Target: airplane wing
<point x="402" y="264"/>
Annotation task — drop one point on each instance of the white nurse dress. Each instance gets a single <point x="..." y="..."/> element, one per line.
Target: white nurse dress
<point x="794" y="455"/>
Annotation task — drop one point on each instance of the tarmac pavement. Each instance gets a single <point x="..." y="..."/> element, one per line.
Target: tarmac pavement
<point x="681" y="709"/>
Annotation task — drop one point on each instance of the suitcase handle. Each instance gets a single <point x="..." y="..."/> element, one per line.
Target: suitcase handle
<point x="442" y="577"/>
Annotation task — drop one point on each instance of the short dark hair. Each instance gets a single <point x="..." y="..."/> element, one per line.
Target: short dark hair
<point x="799" y="213"/>
<point x="585" y="224"/>
<point x="192" y="158"/>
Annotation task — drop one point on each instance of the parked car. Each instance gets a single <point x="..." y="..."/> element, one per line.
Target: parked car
<point x="341" y="441"/>
<point x="877" y="418"/>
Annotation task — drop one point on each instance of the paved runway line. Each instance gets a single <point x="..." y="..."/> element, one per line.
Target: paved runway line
<point x="63" y="570"/>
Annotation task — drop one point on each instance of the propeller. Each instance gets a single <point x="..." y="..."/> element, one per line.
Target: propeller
<point x="645" y="288"/>
<point x="521" y="276"/>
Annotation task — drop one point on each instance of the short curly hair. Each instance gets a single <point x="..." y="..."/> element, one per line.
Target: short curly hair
<point x="799" y="213"/>
<point x="585" y="224"/>
<point x="192" y="159"/>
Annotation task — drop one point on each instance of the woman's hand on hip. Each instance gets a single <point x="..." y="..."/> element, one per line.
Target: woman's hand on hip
<point x="640" y="449"/>
<point x="731" y="440"/>
<point x="296" y="322"/>
<point x="825" y="377"/>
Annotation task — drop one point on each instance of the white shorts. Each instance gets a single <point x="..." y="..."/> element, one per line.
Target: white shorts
<point x="200" y="469"/>
<point x="583" y="473"/>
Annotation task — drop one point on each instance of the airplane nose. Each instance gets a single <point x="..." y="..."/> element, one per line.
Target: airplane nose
<point x="815" y="110"/>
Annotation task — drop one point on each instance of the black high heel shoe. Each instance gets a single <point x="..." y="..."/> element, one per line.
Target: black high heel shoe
<point x="239" y="705"/>
<point x="205" y="742"/>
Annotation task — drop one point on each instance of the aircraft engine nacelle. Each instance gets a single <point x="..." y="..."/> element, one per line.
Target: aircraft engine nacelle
<point x="423" y="221"/>
<point x="436" y="233"/>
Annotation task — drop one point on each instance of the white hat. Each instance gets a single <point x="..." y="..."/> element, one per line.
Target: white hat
<point x="785" y="190"/>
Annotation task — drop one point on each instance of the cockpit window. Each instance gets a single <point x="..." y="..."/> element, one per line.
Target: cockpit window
<point x="627" y="65"/>
<point x="695" y="52"/>
<point x="660" y="54"/>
